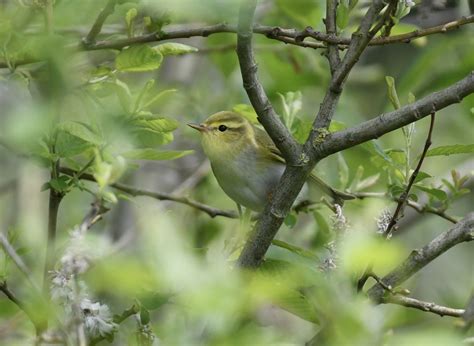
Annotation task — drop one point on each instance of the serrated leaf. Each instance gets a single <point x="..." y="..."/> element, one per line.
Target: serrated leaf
<point x="80" y="130"/>
<point x="155" y="155"/>
<point x="138" y="59"/>
<point x="451" y="150"/>
<point x="173" y="48"/>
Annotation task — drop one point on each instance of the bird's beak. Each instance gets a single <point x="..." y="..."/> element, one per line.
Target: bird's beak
<point x="199" y="127"/>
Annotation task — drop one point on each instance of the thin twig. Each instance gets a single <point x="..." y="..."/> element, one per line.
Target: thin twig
<point x="404" y="196"/>
<point x="420" y="208"/>
<point x="99" y="22"/>
<point x="423" y="306"/>
<point x="212" y="212"/>
<point x="10" y="251"/>
<point x="331" y="30"/>
<point x="12" y="297"/>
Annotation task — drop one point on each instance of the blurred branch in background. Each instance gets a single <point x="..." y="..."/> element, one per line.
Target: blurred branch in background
<point x="463" y="231"/>
<point x="99" y="22"/>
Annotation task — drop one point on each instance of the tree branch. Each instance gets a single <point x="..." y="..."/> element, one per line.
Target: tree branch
<point x="331" y="30"/>
<point x="287" y="35"/>
<point x="267" y="116"/>
<point x="388" y="122"/>
<point x="99" y="22"/>
<point x="423" y="306"/>
<point x="463" y="231"/>
<point x="296" y="173"/>
<point x="212" y="212"/>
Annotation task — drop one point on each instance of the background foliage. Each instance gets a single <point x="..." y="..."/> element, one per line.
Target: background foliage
<point x="119" y="116"/>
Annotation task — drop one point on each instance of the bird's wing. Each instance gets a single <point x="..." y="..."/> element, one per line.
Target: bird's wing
<point x="265" y="143"/>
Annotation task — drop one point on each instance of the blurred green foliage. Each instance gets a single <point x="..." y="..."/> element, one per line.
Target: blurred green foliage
<point x="118" y="116"/>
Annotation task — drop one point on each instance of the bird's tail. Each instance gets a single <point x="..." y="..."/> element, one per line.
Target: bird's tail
<point x="338" y="196"/>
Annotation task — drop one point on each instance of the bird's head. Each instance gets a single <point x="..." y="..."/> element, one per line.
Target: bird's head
<point x="225" y="134"/>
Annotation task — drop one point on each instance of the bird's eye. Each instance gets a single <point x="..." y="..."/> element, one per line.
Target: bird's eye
<point x="222" y="128"/>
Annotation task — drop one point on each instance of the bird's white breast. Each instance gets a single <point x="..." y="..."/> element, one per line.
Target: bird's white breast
<point x="246" y="181"/>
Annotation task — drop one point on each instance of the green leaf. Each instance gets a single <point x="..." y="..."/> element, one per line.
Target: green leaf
<point x="80" y="130"/>
<point x="298" y="304"/>
<point x="144" y="316"/>
<point x="146" y="88"/>
<point x="392" y="92"/>
<point x="451" y="149"/>
<point x="436" y="193"/>
<point x="138" y="59"/>
<point x="173" y="48"/>
<point x="323" y="234"/>
<point x="159" y="125"/>
<point x="158" y="96"/>
<point x="156" y="155"/>
<point x="154" y="300"/>
<point x="60" y="184"/>
<point x="68" y="145"/>
<point x="129" y="18"/>
<point x="246" y="111"/>
<point x="290" y="220"/>
<point x="295" y="249"/>
<point x="124" y="95"/>
<point x="367" y="182"/>
<point x="421" y="176"/>
<point x="343" y="171"/>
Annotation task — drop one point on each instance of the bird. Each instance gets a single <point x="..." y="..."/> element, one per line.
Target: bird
<point x="245" y="161"/>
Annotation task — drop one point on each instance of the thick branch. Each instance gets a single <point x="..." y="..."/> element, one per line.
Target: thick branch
<point x="388" y="122"/>
<point x="212" y="212"/>
<point x="295" y="176"/>
<point x="463" y="231"/>
<point x="423" y="306"/>
<point x="280" y="135"/>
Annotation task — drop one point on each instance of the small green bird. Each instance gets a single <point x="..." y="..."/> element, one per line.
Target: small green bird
<point x="245" y="161"/>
